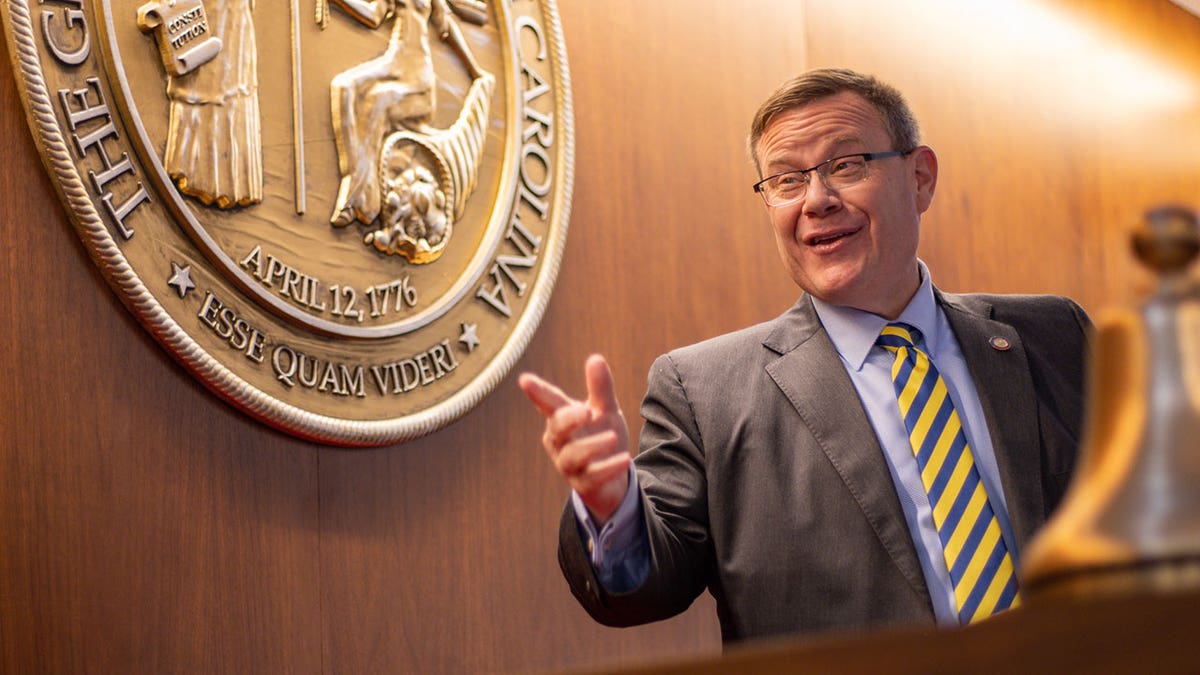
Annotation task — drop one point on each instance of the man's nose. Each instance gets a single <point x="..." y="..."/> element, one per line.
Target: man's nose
<point x="820" y="200"/>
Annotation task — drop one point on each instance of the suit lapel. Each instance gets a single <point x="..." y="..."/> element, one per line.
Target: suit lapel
<point x="1009" y="402"/>
<point x="810" y="373"/>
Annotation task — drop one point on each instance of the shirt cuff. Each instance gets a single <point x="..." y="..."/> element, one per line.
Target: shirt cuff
<point x="618" y="551"/>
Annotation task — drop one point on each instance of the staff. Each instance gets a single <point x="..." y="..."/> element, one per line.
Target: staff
<point x="297" y="110"/>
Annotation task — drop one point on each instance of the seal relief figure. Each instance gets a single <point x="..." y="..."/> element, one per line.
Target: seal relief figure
<point x="417" y="179"/>
<point x="214" y="146"/>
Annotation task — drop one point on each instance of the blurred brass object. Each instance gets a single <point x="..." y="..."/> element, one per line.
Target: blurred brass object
<point x="1130" y="521"/>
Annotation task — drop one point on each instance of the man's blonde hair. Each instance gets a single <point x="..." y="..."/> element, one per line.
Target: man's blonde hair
<point x="807" y="87"/>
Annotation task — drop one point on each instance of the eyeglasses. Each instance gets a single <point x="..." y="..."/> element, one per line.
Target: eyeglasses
<point x="837" y="173"/>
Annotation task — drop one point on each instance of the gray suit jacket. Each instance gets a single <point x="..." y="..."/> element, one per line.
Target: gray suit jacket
<point x="762" y="479"/>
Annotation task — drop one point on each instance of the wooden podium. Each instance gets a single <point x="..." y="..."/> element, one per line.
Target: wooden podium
<point x="1154" y="634"/>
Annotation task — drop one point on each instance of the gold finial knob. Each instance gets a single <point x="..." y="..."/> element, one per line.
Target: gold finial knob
<point x="1168" y="240"/>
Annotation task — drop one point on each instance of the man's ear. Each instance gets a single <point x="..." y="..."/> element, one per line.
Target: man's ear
<point x="925" y="168"/>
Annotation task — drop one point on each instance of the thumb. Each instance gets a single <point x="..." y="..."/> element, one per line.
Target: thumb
<point x="602" y="394"/>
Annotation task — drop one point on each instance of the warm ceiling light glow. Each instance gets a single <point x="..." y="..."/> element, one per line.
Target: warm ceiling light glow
<point x="1067" y="61"/>
<point x="1192" y="6"/>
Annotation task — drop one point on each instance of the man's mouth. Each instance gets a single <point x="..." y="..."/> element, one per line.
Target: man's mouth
<point x="828" y="238"/>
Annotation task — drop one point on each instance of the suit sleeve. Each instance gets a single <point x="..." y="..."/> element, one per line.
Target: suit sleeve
<point x="1081" y="318"/>
<point x="1057" y="333"/>
<point x="1072" y="366"/>
<point x="671" y="475"/>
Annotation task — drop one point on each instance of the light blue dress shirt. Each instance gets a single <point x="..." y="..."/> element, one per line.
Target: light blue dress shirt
<point x="619" y="550"/>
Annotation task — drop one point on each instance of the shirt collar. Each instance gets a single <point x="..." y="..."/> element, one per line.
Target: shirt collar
<point x="853" y="331"/>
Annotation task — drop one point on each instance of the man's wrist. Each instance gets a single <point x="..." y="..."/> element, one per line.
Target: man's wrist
<point x="619" y="531"/>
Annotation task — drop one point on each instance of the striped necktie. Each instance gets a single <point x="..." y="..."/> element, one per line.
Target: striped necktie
<point x="981" y="568"/>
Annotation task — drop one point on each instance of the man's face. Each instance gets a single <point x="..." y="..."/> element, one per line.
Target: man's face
<point x="856" y="246"/>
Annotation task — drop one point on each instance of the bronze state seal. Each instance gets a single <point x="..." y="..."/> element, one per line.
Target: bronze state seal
<point x="343" y="217"/>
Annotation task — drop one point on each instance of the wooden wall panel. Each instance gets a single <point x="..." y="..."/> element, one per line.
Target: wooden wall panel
<point x="146" y="526"/>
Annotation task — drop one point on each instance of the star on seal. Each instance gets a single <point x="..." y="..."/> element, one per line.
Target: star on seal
<point x="181" y="279"/>
<point x="468" y="337"/>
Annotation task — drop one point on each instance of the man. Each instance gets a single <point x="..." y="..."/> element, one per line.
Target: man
<point x="777" y="465"/>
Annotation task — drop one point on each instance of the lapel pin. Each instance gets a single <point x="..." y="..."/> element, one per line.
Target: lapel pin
<point x="1000" y="344"/>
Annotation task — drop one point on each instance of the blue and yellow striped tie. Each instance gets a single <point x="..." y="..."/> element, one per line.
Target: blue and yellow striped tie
<point x="981" y="568"/>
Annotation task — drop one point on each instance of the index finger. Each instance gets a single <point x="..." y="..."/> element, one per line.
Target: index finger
<point x="544" y="395"/>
